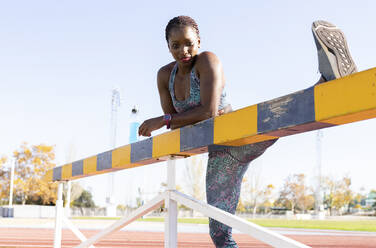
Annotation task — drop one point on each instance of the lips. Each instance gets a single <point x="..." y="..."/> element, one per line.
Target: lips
<point x="185" y="59"/>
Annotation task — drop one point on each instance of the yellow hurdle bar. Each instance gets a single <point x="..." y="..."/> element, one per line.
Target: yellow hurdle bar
<point x="341" y="101"/>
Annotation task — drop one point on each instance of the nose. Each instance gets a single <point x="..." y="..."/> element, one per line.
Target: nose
<point x="185" y="50"/>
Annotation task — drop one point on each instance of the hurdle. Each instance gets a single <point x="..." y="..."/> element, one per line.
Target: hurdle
<point x="338" y="102"/>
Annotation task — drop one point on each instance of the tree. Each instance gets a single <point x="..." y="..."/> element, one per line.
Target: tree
<point x="139" y="198"/>
<point x="76" y="191"/>
<point x="251" y="188"/>
<point x="194" y="177"/>
<point x="253" y="194"/>
<point x="84" y="201"/>
<point x="295" y="194"/>
<point x="3" y="160"/>
<point x="32" y="162"/>
<point x="371" y="199"/>
<point x="347" y="192"/>
<point x="267" y="192"/>
<point x="357" y="200"/>
<point x="4" y="181"/>
<point x="337" y="193"/>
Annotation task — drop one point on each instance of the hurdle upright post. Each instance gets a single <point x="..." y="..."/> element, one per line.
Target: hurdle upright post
<point x="171" y="217"/>
<point x="59" y="216"/>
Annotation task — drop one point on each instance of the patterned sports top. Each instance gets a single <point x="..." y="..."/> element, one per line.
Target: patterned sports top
<point x="194" y="93"/>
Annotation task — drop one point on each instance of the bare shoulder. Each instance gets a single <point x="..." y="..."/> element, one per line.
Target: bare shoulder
<point x="207" y="60"/>
<point x="164" y="73"/>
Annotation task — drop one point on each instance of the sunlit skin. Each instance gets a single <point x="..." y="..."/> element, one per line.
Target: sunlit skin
<point x="183" y="44"/>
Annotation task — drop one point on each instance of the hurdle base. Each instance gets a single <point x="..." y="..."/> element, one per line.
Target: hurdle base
<point x="171" y="197"/>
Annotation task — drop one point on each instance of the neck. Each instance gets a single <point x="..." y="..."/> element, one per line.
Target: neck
<point x="184" y="69"/>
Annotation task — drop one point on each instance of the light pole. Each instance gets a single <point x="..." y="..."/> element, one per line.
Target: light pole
<point x="133" y="137"/>
<point x="10" y="207"/>
<point x="115" y="104"/>
<point x="318" y="194"/>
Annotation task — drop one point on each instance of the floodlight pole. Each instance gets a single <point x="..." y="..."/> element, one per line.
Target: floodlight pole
<point x="11" y="184"/>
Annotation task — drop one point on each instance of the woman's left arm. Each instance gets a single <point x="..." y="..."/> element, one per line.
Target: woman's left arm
<point x="209" y="68"/>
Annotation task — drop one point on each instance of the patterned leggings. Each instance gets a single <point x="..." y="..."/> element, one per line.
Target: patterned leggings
<point x="224" y="175"/>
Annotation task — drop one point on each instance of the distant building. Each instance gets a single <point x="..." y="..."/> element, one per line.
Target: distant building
<point x="371" y="199"/>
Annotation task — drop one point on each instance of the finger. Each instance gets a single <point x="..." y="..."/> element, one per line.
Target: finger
<point x="145" y="131"/>
<point x="143" y="127"/>
<point x="148" y="132"/>
<point x="141" y="131"/>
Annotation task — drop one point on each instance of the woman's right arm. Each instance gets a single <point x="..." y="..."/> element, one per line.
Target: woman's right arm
<point x="152" y="124"/>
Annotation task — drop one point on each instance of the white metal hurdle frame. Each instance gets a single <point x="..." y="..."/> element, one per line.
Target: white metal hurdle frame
<point x="171" y="197"/>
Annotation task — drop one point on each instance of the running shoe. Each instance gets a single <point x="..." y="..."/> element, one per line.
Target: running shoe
<point x="333" y="53"/>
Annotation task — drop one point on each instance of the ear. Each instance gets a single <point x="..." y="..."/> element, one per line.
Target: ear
<point x="198" y="43"/>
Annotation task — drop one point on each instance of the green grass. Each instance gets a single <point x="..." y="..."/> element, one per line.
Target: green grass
<point x="347" y="225"/>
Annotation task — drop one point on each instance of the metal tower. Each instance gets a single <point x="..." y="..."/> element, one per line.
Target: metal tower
<point x="318" y="193"/>
<point x="115" y="104"/>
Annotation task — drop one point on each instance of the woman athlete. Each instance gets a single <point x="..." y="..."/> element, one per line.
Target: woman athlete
<point x="191" y="89"/>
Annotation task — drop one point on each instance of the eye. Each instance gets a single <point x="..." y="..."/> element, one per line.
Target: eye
<point x="175" y="46"/>
<point x="189" y="43"/>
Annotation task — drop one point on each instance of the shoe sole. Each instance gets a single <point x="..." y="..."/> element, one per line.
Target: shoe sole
<point x="333" y="43"/>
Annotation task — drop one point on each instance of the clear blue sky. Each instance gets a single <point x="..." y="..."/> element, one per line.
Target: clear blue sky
<point x="60" y="60"/>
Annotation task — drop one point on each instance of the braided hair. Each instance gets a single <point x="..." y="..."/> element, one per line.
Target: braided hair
<point x="181" y="21"/>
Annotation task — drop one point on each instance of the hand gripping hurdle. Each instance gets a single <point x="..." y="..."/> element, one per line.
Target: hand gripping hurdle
<point x="338" y="102"/>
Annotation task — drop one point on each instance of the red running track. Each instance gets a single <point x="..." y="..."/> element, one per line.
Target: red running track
<point x="41" y="238"/>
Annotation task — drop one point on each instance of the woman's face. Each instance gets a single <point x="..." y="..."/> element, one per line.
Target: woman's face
<point x="183" y="44"/>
